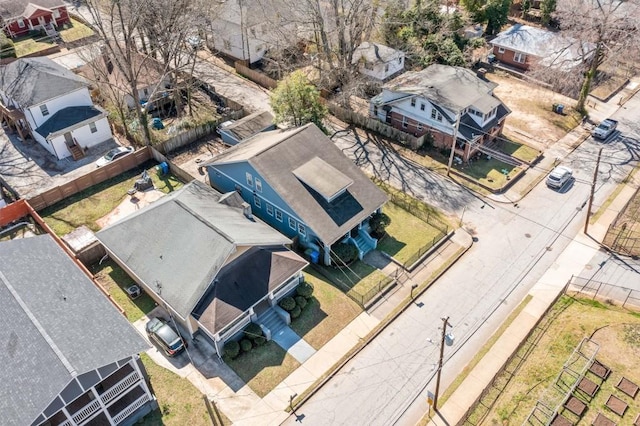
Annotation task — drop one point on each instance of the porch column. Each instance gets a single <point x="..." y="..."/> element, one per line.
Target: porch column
<point x="327" y="255"/>
<point x="103" y="408"/>
<point x="142" y="379"/>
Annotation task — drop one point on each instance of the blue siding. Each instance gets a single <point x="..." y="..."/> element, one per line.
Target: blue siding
<point x="225" y="177"/>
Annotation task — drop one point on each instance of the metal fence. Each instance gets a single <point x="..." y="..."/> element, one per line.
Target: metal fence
<point x="426" y="216"/>
<point x="604" y="291"/>
<point x="415" y="257"/>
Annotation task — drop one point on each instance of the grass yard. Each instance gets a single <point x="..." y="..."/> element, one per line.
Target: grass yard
<point x="85" y="207"/>
<point x="77" y="31"/>
<point x="180" y="402"/>
<point x="326" y="313"/>
<point x="28" y="45"/>
<point x="517" y="150"/>
<point x="264" y="367"/>
<point x="116" y="280"/>
<point x="406" y="234"/>
<point x="615" y="330"/>
<point x="357" y="280"/>
<point x="493" y="173"/>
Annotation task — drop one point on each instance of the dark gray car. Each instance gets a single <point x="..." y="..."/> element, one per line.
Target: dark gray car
<point x="164" y="335"/>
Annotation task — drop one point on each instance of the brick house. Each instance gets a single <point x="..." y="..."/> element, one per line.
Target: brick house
<point x="19" y="17"/>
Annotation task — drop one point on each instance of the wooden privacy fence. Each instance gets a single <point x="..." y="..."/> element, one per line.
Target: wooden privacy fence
<point x="255" y="76"/>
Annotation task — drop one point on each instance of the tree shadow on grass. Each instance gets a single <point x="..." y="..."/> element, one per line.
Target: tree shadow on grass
<point x="390" y="245"/>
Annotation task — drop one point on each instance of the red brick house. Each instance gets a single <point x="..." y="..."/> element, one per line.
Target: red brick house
<point x="19" y="17"/>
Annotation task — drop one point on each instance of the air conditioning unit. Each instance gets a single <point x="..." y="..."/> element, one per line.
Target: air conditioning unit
<point x="134" y="292"/>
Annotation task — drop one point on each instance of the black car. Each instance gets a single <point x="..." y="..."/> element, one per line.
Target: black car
<point x="164" y="335"/>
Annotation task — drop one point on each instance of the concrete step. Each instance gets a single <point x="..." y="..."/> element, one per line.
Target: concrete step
<point x="272" y="321"/>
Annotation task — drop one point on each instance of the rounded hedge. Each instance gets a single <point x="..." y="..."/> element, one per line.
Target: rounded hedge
<point x="232" y="349"/>
<point x="246" y="345"/>
<point x="301" y="301"/>
<point x="379" y="223"/>
<point x="288" y="303"/>
<point x="259" y="341"/>
<point x="344" y="254"/>
<point x="295" y="312"/>
<point x="305" y="290"/>
<point x="252" y="331"/>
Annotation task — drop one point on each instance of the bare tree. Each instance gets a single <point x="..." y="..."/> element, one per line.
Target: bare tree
<point x="610" y="27"/>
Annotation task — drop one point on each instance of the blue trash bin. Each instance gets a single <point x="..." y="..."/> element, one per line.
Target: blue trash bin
<point x="315" y="256"/>
<point x="560" y="109"/>
<point x="162" y="168"/>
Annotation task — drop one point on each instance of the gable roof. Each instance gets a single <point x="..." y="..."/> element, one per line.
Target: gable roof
<point x="17" y="8"/>
<point x="276" y="154"/>
<point x="454" y="88"/>
<point x="31" y="81"/>
<point x="250" y="125"/>
<point x="178" y="244"/>
<point x="552" y="48"/>
<point x="243" y="282"/>
<point x="55" y="325"/>
<point x="375" y="53"/>
<point x="69" y="117"/>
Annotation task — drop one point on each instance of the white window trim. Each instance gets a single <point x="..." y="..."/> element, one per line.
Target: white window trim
<point x="92" y="127"/>
<point x="56" y="13"/>
<point x="21" y="23"/>
<point x="420" y="127"/>
<point x="519" y="57"/>
<point x="413" y="102"/>
<point x="256" y="201"/>
<point x="302" y="230"/>
<point x="249" y="179"/>
<point x="279" y="215"/>
<point x="500" y="49"/>
<point x="258" y="184"/>
<point x="270" y="209"/>
<point x="44" y="110"/>
<point x="292" y="224"/>
<point x="405" y="124"/>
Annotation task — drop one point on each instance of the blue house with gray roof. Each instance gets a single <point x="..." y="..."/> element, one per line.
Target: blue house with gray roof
<point x="68" y="356"/>
<point x="301" y="184"/>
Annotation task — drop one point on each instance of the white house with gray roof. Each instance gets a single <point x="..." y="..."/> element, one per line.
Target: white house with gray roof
<point x="442" y="100"/>
<point x="205" y="258"/>
<point x="54" y="105"/>
<point x="378" y="61"/>
<point x="69" y="357"/>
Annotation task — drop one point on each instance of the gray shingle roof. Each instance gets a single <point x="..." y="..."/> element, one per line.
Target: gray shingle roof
<point x="68" y="117"/>
<point x="182" y="240"/>
<point x="375" y="52"/>
<point x="15" y="8"/>
<point x="55" y="324"/>
<point x="250" y="125"/>
<point x="277" y="153"/>
<point x="454" y="88"/>
<point x="242" y="283"/>
<point x="31" y="81"/>
<point x="469" y="129"/>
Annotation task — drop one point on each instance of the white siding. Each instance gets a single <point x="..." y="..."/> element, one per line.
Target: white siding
<point x="404" y="107"/>
<point x="84" y="137"/>
<point x="78" y="97"/>
<point x="379" y="72"/>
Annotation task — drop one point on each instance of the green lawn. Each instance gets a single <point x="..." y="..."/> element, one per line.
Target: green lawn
<point x="77" y="31"/>
<point x="87" y="206"/>
<point x="406" y="234"/>
<point x="518" y="150"/>
<point x="116" y="280"/>
<point x="264" y="367"/>
<point x="26" y="46"/>
<point x="326" y="313"/>
<point x="356" y="280"/>
<point x="490" y="173"/>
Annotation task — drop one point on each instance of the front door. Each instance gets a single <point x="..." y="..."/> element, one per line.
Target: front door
<point x="68" y="139"/>
<point x="42" y="21"/>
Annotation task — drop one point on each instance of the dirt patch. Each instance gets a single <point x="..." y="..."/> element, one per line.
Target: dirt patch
<point x="131" y="204"/>
<point x="532" y="119"/>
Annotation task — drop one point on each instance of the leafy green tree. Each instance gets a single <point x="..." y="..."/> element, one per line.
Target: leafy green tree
<point x="547" y="7"/>
<point x="496" y="14"/>
<point x="297" y="102"/>
<point x="526" y="7"/>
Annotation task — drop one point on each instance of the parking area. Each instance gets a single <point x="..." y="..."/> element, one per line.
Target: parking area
<point x="29" y="169"/>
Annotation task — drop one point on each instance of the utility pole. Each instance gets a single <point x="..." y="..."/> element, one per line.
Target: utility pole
<point x="593" y="190"/>
<point x="442" y="343"/>
<point x="453" y="144"/>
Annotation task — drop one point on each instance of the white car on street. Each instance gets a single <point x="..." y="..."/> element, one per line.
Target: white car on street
<point x="559" y="176"/>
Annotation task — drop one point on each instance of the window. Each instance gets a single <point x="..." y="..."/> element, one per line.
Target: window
<point x="433" y="113"/>
<point x="21" y="23"/>
<point x="56" y="13"/>
<point x="92" y="127"/>
<point x="500" y="49"/>
<point x="399" y="60"/>
<point x="301" y="229"/>
<point x="269" y="209"/>
<point x="292" y="223"/>
<point x="44" y="110"/>
<point x="420" y="127"/>
<point x="249" y="178"/>
<point x="404" y="122"/>
<point x="258" y="185"/>
<point x="386" y="68"/>
<point x="256" y="201"/>
<point x="375" y="110"/>
<point x="279" y="215"/>
<point x="519" y="57"/>
<point x="413" y="102"/>
<point x="439" y="117"/>
<point x="227" y="44"/>
<point x="422" y="107"/>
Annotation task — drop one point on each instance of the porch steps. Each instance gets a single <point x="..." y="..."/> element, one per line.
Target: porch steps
<point x="76" y="151"/>
<point x="363" y="245"/>
<point x="272" y="321"/>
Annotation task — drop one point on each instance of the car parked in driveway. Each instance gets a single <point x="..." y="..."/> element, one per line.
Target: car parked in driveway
<point x="113" y="155"/>
<point x="160" y="332"/>
<point x="559" y="176"/>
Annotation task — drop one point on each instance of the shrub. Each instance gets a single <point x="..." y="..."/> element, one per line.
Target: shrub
<point x="288" y="303"/>
<point x="252" y="331"/>
<point x="259" y="341"/>
<point x="246" y="345"/>
<point x="6" y="46"/>
<point x="232" y="349"/>
<point x="305" y="290"/>
<point x="344" y="253"/>
<point x="379" y="223"/>
<point x="301" y="301"/>
<point x="295" y="313"/>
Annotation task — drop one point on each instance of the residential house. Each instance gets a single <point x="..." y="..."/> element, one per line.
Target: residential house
<point x="233" y="132"/>
<point x="205" y="258"/>
<point x="19" y="17"/>
<point x="443" y="101"/>
<point x="522" y="47"/>
<point x="69" y="357"/>
<point x="378" y="61"/>
<point x="300" y="183"/>
<point x="53" y="105"/>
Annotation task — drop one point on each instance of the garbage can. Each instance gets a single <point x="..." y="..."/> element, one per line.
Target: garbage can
<point x="554" y="107"/>
<point x="315" y="256"/>
<point x="560" y="109"/>
<point x="162" y="168"/>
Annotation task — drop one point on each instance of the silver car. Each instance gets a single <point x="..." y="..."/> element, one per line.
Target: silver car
<point x="559" y="176"/>
<point x="165" y="336"/>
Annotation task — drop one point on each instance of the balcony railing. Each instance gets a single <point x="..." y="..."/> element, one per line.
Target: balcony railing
<point x="117" y="389"/>
<point x="130" y="409"/>
<point x="86" y="411"/>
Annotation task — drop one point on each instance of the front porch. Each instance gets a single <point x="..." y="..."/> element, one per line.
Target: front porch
<point x="12" y="118"/>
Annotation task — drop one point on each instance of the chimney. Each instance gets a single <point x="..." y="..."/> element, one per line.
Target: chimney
<point x="246" y="210"/>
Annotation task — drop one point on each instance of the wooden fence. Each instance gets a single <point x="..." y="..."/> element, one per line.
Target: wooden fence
<point x="94" y="177"/>
<point x="175" y="170"/>
<point x="255" y="76"/>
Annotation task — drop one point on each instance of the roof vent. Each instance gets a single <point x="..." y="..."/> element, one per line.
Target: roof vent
<point x="246" y="210"/>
